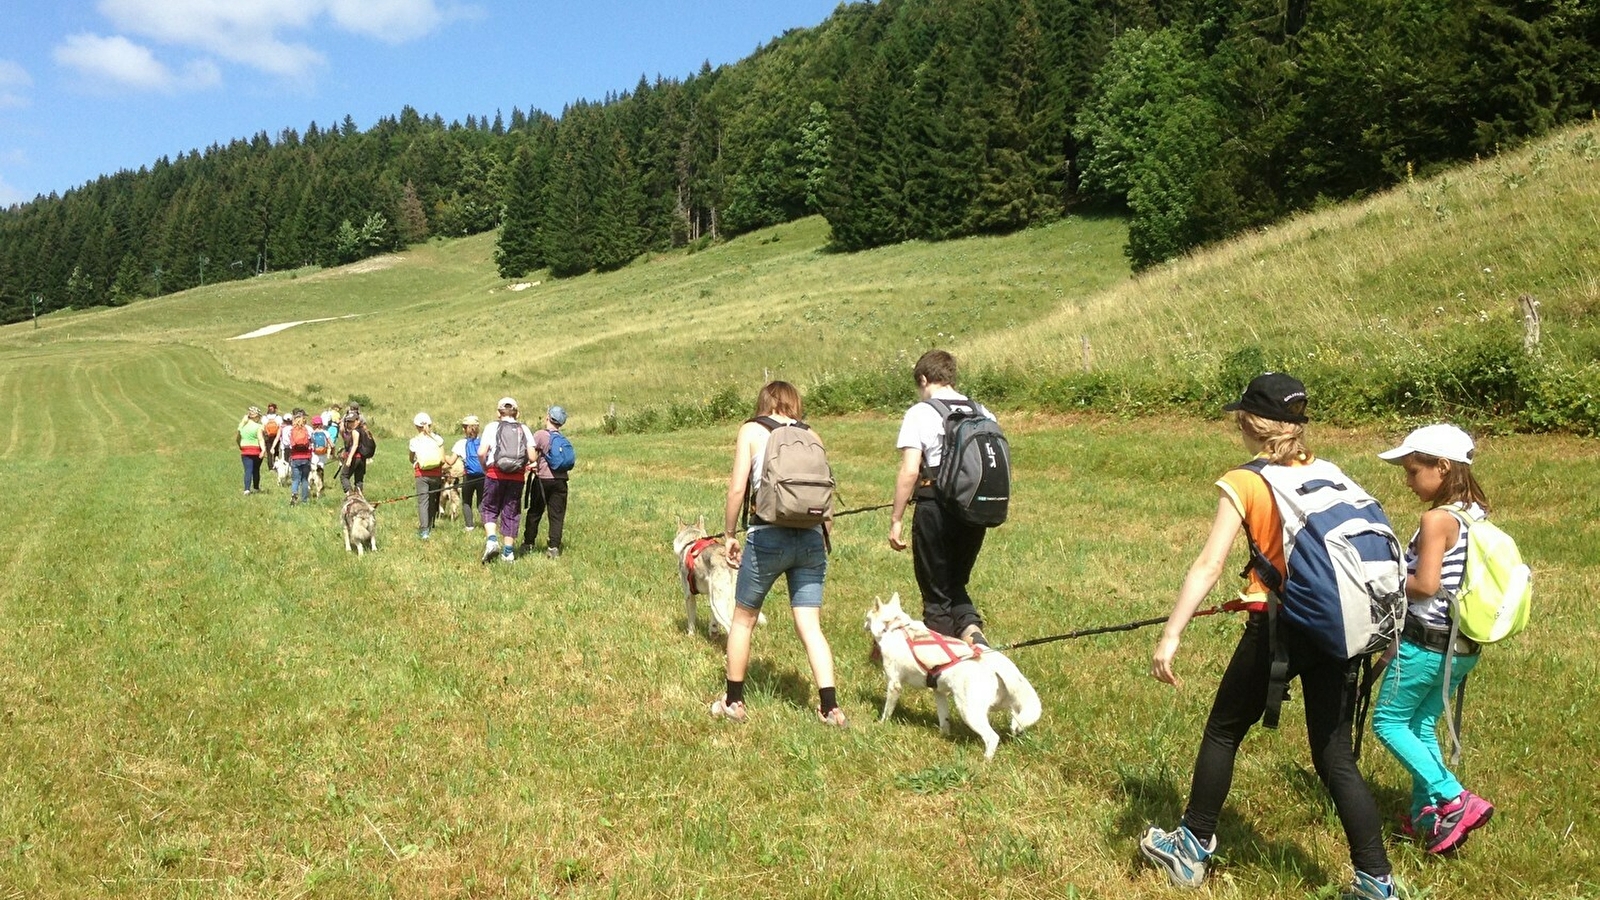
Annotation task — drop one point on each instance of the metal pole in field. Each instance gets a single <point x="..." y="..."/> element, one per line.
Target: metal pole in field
<point x="35" y="300"/>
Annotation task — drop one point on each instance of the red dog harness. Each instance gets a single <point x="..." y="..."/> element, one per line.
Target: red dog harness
<point x="934" y="653"/>
<point x="692" y="554"/>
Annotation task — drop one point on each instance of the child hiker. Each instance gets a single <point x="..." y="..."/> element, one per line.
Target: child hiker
<point x="1271" y="420"/>
<point x="1438" y="466"/>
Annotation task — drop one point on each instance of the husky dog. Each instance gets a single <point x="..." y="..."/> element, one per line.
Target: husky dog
<point x="450" y="496"/>
<point x="360" y="523"/>
<point x="315" y="480"/>
<point x="703" y="569"/>
<point x="976" y="679"/>
<point x="281" y="466"/>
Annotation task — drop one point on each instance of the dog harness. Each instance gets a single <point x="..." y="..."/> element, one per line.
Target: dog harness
<point x="690" y="555"/>
<point x="934" y="652"/>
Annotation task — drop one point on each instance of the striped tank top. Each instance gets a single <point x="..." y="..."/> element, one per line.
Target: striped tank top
<point x="1435" y="611"/>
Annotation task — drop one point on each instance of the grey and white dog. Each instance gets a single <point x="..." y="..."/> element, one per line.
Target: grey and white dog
<point x="703" y="569"/>
<point x="360" y="523"/>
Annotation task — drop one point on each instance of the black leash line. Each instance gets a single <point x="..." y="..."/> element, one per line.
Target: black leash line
<point x="1230" y="606"/>
<point x="837" y="515"/>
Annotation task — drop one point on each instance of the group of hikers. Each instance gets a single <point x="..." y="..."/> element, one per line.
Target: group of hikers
<point x="954" y="466"/>
<point x="1427" y="656"/>
<point x="498" y="471"/>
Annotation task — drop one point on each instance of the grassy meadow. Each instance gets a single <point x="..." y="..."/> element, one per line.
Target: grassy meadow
<point x="205" y="696"/>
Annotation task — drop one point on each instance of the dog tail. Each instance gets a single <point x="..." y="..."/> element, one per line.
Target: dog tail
<point x="1024" y="704"/>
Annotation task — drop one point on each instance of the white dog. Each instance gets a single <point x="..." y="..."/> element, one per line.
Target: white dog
<point x="315" y="480"/>
<point x="703" y="569"/>
<point x="975" y="679"/>
<point x="281" y="466"/>
<point x="360" y="524"/>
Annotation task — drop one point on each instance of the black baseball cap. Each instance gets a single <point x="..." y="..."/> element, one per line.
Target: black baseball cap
<point x="1275" y="396"/>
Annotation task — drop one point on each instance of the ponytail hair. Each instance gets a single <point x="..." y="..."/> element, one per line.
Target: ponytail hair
<point x="1281" y="442"/>
<point x="1459" y="486"/>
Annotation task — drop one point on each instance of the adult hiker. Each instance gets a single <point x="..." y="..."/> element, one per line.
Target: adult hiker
<point x="504" y="453"/>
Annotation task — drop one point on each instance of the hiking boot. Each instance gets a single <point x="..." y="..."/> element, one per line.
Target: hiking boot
<point x="507" y="554"/>
<point x="1456" y="820"/>
<point x="1370" y="887"/>
<point x="1179" y="854"/>
<point x="553" y="552"/>
<point x="722" y="709"/>
<point x="491" y="549"/>
<point x="834" y="718"/>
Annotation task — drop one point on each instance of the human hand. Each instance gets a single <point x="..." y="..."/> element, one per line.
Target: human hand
<point x="732" y="546"/>
<point x="895" y="541"/>
<point x="1161" y="661"/>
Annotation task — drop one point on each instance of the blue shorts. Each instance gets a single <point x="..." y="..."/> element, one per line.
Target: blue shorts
<point x="772" y="551"/>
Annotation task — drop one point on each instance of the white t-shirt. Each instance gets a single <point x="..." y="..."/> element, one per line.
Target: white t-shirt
<point x="923" y="427"/>
<point x="489" y="439"/>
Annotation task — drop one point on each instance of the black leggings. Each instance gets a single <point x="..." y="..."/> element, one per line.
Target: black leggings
<point x="471" y="496"/>
<point x="545" y="493"/>
<point x="1327" y="689"/>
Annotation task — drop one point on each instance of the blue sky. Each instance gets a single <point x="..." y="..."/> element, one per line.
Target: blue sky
<point x="89" y="87"/>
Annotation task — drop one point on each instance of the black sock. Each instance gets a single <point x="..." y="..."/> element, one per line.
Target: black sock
<point x="735" y="692"/>
<point x="829" y="701"/>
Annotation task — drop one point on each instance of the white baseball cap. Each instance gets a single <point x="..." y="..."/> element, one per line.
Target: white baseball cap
<point x="422" y="419"/>
<point x="1442" y="441"/>
<point x="507" y="401"/>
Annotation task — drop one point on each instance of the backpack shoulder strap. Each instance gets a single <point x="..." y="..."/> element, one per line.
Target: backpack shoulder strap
<point x="1278" y="673"/>
<point x="939" y="406"/>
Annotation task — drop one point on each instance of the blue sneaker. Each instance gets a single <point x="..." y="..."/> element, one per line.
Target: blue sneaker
<point x="1178" y="853"/>
<point x="422" y="533"/>
<point x="1370" y="887"/>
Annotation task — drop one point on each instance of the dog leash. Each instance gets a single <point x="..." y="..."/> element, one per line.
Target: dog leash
<point x="838" y="515"/>
<point x="1230" y="606"/>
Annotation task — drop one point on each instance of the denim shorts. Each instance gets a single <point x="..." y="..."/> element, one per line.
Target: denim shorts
<point x="771" y="551"/>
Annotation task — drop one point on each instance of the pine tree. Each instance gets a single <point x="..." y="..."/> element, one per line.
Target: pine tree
<point x="517" y="251"/>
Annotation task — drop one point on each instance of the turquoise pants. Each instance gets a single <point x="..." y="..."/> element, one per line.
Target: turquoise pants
<point x="1407" y="714"/>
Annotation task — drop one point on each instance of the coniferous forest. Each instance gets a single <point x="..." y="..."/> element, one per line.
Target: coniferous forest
<point x="895" y="120"/>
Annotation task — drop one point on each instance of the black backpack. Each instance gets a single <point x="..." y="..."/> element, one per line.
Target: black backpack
<point x="973" y="481"/>
<point x="367" y="445"/>
<point x="510" y="450"/>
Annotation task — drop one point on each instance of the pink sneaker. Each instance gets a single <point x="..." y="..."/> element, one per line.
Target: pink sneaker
<point x="1456" y="820"/>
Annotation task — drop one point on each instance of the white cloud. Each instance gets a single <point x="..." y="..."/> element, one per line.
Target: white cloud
<point x="117" y="61"/>
<point x="253" y="32"/>
<point x="14" y="82"/>
<point x="10" y="195"/>
<point x="393" y="21"/>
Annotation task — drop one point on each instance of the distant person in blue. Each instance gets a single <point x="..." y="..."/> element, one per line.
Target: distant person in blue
<point x="466" y="450"/>
<point x="547" y="489"/>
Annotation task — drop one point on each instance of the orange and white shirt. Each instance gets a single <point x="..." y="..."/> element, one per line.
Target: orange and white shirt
<point x="1250" y="495"/>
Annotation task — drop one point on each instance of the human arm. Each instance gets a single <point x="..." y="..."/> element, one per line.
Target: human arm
<point x="1438" y="533"/>
<point x="738" y="485"/>
<point x="905" y="482"/>
<point x="1202" y="577"/>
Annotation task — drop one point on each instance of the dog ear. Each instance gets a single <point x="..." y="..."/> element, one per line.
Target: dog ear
<point x="894" y="599"/>
<point x="701" y="523"/>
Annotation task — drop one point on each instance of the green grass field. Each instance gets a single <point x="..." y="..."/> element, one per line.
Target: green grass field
<point x="205" y="696"/>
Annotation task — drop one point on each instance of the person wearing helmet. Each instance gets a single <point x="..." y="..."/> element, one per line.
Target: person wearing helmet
<point x="427" y="464"/>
